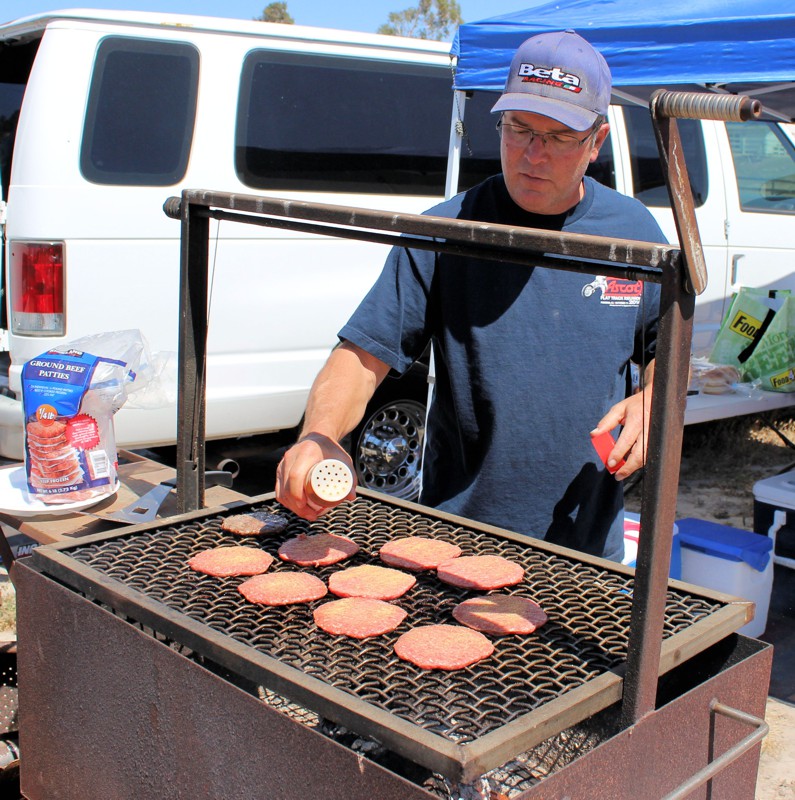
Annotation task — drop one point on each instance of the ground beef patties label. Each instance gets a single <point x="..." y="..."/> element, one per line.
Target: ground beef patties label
<point x="70" y="449"/>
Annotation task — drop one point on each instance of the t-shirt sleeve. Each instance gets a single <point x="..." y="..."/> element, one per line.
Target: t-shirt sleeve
<point x="391" y="322"/>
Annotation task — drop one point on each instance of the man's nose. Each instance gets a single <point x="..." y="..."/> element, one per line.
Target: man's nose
<point x="535" y="150"/>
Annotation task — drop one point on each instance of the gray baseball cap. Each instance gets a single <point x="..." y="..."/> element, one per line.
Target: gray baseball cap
<point x="558" y="75"/>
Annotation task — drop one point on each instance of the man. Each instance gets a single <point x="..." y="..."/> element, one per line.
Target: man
<point x="527" y="362"/>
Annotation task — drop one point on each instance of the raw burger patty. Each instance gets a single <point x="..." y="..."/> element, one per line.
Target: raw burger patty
<point x="500" y="614"/>
<point x="377" y="583"/>
<point x="443" y="647"/>
<point x="254" y="523"/>
<point x="418" y="552"/>
<point x="45" y="431"/>
<point x="317" y="550"/>
<point x="480" y="572"/>
<point x="226" y="561"/>
<point x="282" y="588"/>
<point x="358" y="617"/>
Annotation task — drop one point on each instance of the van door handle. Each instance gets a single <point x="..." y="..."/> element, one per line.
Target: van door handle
<point x="735" y="261"/>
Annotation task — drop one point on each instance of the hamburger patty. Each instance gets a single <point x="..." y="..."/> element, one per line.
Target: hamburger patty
<point x="500" y="614"/>
<point x="226" y="561"/>
<point x="255" y="523"/>
<point x="480" y="572"/>
<point x="443" y="647"/>
<point x="377" y="583"/>
<point x="418" y="552"/>
<point x="282" y="588"/>
<point x="317" y="550"/>
<point x="358" y="617"/>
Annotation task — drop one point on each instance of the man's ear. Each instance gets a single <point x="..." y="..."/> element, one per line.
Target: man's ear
<point x="599" y="140"/>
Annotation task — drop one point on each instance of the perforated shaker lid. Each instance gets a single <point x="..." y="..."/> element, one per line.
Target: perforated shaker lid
<point x="329" y="482"/>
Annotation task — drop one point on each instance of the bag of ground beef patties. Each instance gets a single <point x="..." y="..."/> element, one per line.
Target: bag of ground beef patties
<point x="69" y="398"/>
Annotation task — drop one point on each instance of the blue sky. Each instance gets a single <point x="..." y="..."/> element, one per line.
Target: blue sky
<point x="358" y="15"/>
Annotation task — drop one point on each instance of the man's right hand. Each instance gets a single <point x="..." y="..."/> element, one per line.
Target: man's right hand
<point x="294" y="467"/>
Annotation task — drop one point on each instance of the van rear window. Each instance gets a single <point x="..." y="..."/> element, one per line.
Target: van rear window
<point x="141" y="110"/>
<point x="336" y="124"/>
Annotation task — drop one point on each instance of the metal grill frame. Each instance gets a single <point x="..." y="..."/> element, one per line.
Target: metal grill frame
<point x="457" y="761"/>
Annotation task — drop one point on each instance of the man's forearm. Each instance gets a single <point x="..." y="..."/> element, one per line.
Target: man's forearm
<point x="647" y="377"/>
<point x="341" y="392"/>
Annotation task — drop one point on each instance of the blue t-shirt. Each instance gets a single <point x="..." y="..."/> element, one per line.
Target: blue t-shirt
<point x="527" y="359"/>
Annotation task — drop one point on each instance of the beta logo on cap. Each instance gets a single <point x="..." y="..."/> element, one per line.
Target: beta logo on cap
<point x="529" y="73"/>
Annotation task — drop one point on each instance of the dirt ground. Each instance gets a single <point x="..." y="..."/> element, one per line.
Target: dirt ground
<point x="722" y="460"/>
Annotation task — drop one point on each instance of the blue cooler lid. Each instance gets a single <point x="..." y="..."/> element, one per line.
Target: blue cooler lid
<point x="733" y="544"/>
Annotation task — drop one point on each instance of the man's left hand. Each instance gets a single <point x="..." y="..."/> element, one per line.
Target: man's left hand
<point x="633" y="414"/>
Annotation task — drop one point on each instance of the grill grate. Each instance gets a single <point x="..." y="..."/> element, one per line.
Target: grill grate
<point x="586" y="636"/>
<point x="9" y="704"/>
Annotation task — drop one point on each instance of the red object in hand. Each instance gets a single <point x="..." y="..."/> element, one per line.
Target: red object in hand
<point x="603" y="444"/>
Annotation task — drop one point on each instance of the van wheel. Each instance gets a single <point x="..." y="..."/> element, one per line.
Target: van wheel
<point x="387" y="447"/>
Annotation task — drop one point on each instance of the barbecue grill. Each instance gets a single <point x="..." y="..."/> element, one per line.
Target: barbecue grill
<point x="148" y="680"/>
<point x="503" y="718"/>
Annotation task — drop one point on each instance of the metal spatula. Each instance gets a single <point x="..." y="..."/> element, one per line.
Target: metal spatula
<point x="145" y="508"/>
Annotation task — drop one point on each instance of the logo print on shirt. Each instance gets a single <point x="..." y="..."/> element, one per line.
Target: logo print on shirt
<point x="614" y="291"/>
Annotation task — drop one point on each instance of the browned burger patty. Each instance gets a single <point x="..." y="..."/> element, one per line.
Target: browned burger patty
<point x="443" y="647"/>
<point x="358" y="617"/>
<point x="500" y="614"/>
<point x="480" y="572"/>
<point x="418" y="552"/>
<point x="228" y="560"/>
<point x="282" y="588"/>
<point x="317" y="550"/>
<point x="377" y="583"/>
<point x="255" y="523"/>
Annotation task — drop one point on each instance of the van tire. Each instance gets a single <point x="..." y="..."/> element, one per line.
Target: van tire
<point x="386" y="447"/>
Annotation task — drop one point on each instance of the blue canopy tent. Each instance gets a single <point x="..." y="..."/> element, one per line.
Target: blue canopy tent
<point x="736" y="46"/>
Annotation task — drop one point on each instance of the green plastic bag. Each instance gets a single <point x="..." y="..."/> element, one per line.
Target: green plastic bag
<point x="758" y="337"/>
<point x="772" y="362"/>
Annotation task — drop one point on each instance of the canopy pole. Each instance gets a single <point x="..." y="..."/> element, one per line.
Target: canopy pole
<point x="456" y="140"/>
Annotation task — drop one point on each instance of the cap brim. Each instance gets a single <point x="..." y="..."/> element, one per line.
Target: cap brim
<point x="574" y="117"/>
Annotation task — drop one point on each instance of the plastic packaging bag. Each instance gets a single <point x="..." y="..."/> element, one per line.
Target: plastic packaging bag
<point x="69" y="397"/>
<point x="758" y="337"/>
<point x="771" y="365"/>
<point x="709" y="378"/>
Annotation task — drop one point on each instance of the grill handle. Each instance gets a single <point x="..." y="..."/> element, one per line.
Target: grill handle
<point x="732" y="754"/>
<point x="703" y="105"/>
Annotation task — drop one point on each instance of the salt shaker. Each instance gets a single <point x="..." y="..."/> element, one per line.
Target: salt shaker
<point x="329" y="482"/>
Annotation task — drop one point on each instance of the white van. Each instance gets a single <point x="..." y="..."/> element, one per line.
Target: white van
<point x="104" y="115"/>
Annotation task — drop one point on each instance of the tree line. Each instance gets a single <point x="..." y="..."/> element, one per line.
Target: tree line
<point x="430" y="19"/>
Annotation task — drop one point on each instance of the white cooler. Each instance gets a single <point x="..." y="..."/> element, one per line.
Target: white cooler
<point x="729" y="560"/>
<point x="774" y="515"/>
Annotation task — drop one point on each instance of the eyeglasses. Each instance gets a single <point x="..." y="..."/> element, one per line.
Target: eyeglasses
<point x="558" y="143"/>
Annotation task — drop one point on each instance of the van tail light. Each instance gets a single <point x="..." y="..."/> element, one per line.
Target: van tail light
<point x="37" y="288"/>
